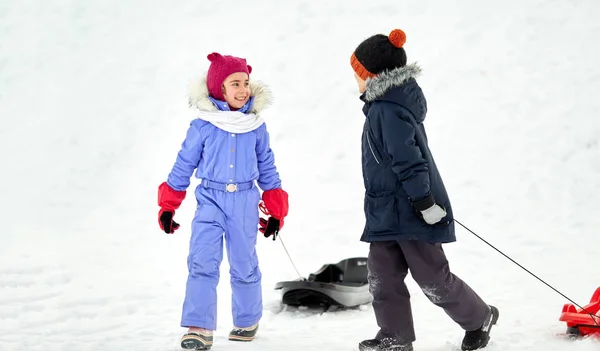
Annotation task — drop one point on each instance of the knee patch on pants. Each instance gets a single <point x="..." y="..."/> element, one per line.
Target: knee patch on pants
<point x="244" y="272"/>
<point x="201" y="266"/>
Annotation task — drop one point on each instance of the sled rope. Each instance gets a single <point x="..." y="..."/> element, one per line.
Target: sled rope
<point x="290" y="257"/>
<point x="526" y="270"/>
<point x="264" y="210"/>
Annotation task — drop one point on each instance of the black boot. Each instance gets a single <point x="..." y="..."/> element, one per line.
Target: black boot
<point x="383" y="345"/>
<point x="243" y="334"/>
<point x="477" y="339"/>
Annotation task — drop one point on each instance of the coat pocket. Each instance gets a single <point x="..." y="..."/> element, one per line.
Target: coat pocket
<point x="381" y="213"/>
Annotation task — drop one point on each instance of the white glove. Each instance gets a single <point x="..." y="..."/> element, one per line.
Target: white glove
<point x="433" y="214"/>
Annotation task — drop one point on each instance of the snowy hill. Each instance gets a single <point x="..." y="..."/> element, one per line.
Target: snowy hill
<point x="93" y="110"/>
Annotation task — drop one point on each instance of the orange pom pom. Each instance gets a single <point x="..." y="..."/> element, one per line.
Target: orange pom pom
<point x="397" y="38"/>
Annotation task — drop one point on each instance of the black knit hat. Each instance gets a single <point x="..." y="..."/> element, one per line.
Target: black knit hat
<point x="379" y="53"/>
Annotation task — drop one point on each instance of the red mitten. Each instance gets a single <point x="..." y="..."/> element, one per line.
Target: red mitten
<point x="276" y="202"/>
<point x="169" y="200"/>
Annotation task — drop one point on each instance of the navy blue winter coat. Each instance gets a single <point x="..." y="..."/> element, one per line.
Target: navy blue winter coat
<point x="399" y="173"/>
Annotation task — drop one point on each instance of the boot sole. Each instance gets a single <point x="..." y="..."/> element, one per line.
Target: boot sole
<point x="363" y="347"/>
<point x="193" y="342"/>
<point x="241" y="338"/>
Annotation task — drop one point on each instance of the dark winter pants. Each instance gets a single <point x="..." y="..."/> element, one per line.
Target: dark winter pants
<point x="388" y="265"/>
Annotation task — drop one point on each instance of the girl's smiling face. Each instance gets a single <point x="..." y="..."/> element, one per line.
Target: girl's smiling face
<point x="236" y="90"/>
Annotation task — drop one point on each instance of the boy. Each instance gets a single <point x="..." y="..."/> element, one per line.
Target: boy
<point x="408" y="212"/>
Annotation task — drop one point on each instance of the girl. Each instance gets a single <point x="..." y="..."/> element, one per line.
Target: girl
<point x="228" y="146"/>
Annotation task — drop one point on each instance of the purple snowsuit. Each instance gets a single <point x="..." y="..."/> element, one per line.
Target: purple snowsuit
<point x="222" y="158"/>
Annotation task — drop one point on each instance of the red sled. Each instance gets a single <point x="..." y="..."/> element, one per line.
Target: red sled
<point x="583" y="322"/>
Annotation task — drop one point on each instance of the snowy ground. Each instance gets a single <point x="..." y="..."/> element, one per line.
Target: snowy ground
<point x="93" y="110"/>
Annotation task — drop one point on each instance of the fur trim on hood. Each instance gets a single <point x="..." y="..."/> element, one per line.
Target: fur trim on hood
<point x="198" y="96"/>
<point x="380" y="84"/>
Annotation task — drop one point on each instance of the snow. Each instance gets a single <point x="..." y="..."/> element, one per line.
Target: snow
<point x="93" y="110"/>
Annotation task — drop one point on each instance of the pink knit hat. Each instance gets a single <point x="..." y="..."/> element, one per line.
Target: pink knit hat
<point x="220" y="68"/>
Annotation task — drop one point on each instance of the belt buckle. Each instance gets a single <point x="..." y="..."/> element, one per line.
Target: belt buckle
<point x="231" y="188"/>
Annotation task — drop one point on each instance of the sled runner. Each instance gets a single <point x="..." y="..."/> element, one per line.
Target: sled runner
<point x="582" y="323"/>
<point x="341" y="284"/>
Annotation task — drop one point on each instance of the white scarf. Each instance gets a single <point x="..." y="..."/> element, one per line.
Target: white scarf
<point x="232" y="121"/>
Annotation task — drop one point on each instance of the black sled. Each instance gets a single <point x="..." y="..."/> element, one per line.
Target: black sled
<point x="343" y="284"/>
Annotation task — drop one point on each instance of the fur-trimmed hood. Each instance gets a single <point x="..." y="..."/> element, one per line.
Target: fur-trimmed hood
<point x="198" y="96"/>
<point x="399" y="86"/>
<point x="379" y="85"/>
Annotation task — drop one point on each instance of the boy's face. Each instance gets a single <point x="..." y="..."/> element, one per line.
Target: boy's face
<point x="236" y="90"/>
<point x="362" y="85"/>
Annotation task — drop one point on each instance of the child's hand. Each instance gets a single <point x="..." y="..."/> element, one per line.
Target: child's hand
<point x="169" y="200"/>
<point x="275" y="205"/>
<point x="166" y="222"/>
<point x="270" y="227"/>
<point x="433" y="214"/>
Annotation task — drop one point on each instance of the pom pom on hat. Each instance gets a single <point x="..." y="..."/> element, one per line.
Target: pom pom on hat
<point x="379" y="53"/>
<point x="397" y="38"/>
